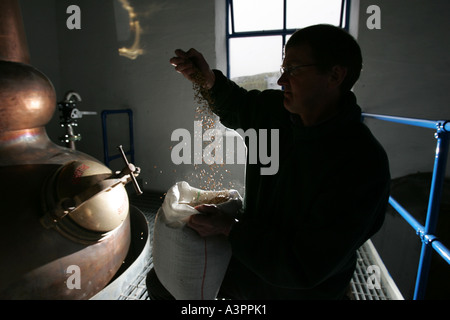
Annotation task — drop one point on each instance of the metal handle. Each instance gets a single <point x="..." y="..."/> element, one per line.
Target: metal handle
<point x="132" y="168"/>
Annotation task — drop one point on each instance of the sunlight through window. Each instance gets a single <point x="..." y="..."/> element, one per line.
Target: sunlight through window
<point x="259" y="29"/>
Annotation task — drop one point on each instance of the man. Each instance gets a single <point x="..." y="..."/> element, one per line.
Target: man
<point x="301" y="227"/>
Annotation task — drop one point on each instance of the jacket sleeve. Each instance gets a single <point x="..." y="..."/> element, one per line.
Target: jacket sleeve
<point x="239" y="108"/>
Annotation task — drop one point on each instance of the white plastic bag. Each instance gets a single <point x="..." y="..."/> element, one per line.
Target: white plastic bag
<point x="190" y="267"/>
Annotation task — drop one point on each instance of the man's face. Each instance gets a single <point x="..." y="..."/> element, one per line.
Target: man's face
<point x="305" y="87"/>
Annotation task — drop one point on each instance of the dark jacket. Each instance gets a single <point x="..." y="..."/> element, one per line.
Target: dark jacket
<point x="302" y="226"/>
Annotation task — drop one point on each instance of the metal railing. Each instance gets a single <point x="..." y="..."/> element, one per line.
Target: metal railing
<point x="426" y="233"/>
<point x="107" y="157"/>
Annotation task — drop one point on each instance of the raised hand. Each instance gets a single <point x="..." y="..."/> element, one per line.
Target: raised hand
<point x="193" y="66"/>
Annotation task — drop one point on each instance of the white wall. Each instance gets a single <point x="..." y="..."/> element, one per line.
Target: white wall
<point x="161" y="99"/>
<point x="406" y="73"/>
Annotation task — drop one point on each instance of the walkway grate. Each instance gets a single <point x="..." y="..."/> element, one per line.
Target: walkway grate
<point x="137" y="290"/>
<point x="371" y="280"/>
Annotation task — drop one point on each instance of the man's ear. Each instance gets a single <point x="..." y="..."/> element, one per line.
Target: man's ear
<point x="337" y="75"/>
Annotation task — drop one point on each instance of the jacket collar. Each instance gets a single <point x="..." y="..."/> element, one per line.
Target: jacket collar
<point x="351" y="113"/>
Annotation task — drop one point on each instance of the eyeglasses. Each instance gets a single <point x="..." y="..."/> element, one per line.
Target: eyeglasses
<point x="290" y="70"/>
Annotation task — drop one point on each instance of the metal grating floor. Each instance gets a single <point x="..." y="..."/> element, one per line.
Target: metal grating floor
<point x="384" y="288"/>
<point x="359" y="287"/>
<point x="137" y="290"/>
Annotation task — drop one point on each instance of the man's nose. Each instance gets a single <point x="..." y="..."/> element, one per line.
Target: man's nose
<point x="282" y="80"/>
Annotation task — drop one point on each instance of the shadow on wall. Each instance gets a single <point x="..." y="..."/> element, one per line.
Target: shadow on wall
<point x="398" y="244"/>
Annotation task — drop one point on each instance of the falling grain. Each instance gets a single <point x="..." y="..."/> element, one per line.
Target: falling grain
<point x="203" y="113"/>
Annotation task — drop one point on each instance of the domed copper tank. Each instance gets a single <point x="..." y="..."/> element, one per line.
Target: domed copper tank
<point x="57" y="238"/>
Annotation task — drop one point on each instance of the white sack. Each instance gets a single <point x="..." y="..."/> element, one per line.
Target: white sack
<point x="190" y="267"/>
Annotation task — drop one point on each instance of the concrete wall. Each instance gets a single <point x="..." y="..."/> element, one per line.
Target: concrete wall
<point x="40" y="26"/>
<point x="87" y="61"/>
<point x="406" y="74"/>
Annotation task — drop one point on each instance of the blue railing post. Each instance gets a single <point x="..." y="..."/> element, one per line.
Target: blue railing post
<point x="437" y="183"/>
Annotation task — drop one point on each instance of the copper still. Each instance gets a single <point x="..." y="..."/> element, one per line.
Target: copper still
<point x="65" y="226"/>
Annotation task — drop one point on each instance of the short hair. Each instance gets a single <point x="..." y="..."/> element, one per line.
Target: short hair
<point x="331" y="46"/>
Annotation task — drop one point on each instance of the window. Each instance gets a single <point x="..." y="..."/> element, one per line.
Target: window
<point x="257" y="31"/>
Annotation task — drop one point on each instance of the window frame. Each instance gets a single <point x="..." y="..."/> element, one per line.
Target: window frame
<point x="284" y="32"/>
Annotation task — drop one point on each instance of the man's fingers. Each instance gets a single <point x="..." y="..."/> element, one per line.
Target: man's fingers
<point x="207" y="208"/>
<point x="199" y="224"/>
<point x="193" y="54"/>
<point x="180" y="53"/>
<point x="191" y="62"/>
<point x="185" y="68"/>
<point x="198" y="219"/>
<point x="181" y="57"/>
<point x="176" y="61"/>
